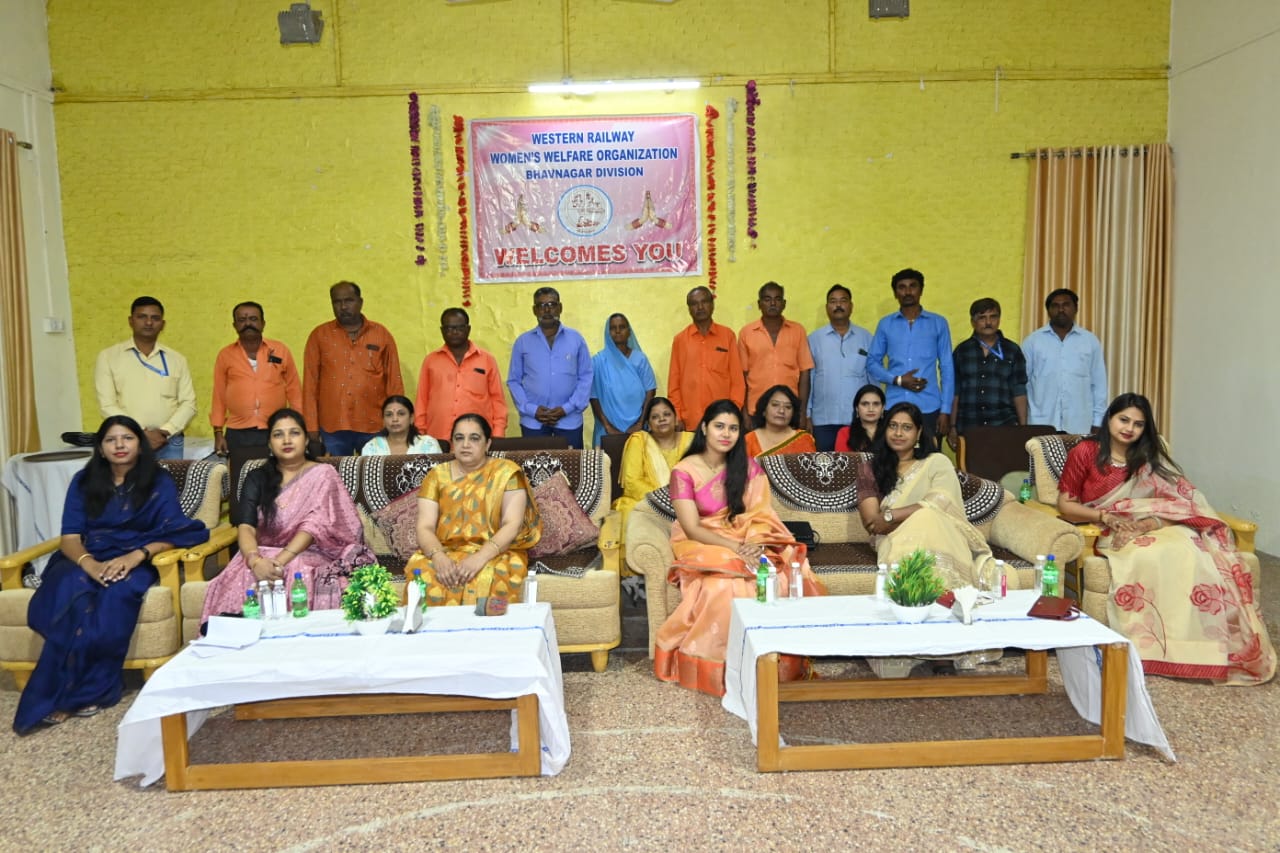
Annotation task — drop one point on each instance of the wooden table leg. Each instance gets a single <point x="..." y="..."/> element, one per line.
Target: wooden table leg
<point x="1115" y="687"/>
<point x="767" y="753"/>
<point x="173" y="729"/>
<point x="529" y="734"/>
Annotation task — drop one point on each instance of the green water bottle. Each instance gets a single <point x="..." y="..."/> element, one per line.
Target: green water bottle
<point x="422" y="588"/>
<point x="298" y="596"/>
<point x="1052" y="579"/>
<point x="1024" y="492"/>
<point x="762" y="580"/>
<point x="252" y="609"/>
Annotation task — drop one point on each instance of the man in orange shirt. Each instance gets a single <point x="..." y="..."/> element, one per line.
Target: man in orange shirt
<point x="458" y="379"/>
<point x="775" y="351"/>
<point x="704" y="362"/>
<point x="350" y="367"/>
<point x="252" y="378"/>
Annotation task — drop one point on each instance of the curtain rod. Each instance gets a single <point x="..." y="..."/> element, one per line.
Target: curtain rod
<point x="21" y="144"/>
<point x="1060" y="153"/>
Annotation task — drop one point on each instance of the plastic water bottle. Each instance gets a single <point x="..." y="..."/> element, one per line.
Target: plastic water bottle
<point x="771" y="586"/>
<point x="265" y="601"/>
<point x="762" y="579"/>
<point x="252" y="610"/>
<point x="1038" y="581"/>
<point x="1052" y="579"/>
<point x="298" y="595"/>
<point x="1024" y="491"/>
<point x="1000" y="584"/>
<point x="882" y="580"/>
<point x="279" y="601"/>
<point x="530" y="587"/>
<point x="797" y="583"/>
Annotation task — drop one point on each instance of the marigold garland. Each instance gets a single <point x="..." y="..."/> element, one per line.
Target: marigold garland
<point x="415" y="162"/>
<point x="437" y="164"/>
<point x="464" y="242"/>
<point x="753" y="101"/>
<point x="712" y="115"/>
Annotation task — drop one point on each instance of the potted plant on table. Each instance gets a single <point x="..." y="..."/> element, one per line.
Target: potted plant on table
<point x="370" y="600"/>
<point x="914" y="586"/>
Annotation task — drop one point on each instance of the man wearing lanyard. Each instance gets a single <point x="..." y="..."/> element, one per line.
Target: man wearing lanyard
<point x="839" y="352"/>
<point x="147" y="381"/>
<point x="917" y="344"/>
<point x="991" y="375"/>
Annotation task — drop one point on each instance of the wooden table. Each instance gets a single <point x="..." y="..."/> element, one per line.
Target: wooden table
<point x="855" y="626"/>
<point x="457" y="662"/>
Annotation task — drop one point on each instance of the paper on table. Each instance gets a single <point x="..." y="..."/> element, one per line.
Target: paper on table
<point x="230" y="632"/>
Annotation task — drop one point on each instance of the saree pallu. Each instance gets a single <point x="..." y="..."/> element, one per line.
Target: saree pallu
<point x="689" y="648"/>
<point x="470" y="513"/>
<point x="314" y="502"/>
<point x="1182" y="593"/>
<point x="620" y="382"/>
<point x="801" y="442"/>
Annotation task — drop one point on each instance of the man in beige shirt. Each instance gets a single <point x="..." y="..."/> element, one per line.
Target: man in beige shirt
<point x="147" y="381"/>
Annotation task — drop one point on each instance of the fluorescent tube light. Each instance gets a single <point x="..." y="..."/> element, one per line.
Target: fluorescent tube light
<point x="570" y="87"/>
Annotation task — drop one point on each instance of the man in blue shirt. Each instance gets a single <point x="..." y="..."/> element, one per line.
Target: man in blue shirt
<point x="550" y="375"/>
<point x="839" y="351"/>
<point x="1066" y="376"/>
<point x="917" y="345"/>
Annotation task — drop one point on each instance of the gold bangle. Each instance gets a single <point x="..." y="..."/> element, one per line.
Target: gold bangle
<point x="82" y="558"/>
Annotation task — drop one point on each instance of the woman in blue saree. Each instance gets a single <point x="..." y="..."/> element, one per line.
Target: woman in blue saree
<point x="121" y="510"/>
<point x="622" y="382"/>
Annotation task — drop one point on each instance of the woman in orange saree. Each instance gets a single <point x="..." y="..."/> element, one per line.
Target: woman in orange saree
<point x="778" y="414"/>
<point x="724" y="524"/>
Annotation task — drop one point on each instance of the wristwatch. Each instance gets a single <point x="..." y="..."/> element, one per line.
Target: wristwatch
<point x="888" y="516"/>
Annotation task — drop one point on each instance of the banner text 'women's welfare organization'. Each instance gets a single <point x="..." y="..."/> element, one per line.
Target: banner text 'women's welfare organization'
<point x="597" y="197"/>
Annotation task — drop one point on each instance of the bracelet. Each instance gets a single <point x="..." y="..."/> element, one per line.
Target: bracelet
<point x="83" y="557"/>
<point x="146" y="552"/>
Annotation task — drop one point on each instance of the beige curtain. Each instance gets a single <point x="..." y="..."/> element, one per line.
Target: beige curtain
<point x="1099" y="221"/>
<point x="17" y="380"/>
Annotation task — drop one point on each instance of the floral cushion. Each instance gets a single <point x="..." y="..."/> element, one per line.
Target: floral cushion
<point x="398" y="522"/>
<point x="565" y="527"/>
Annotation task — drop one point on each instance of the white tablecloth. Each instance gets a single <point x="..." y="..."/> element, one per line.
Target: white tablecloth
<point x="454" y="653"/>
<point x="38" y="483"/>
<point x="859" y="626"/>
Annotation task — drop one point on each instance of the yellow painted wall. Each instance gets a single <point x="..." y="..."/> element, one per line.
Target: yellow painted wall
<point x="204" y="163"/>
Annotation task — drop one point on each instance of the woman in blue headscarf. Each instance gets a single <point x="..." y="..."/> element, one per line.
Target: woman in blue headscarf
<point x="623" y="382"/>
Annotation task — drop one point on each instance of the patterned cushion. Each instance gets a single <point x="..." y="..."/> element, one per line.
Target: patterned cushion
<point x="200" y="485"/>
<point x="1048" y="458"/>
<point x="565" y="527"/>
<point x="982" y="498"/>
<point x="398" y="521"/>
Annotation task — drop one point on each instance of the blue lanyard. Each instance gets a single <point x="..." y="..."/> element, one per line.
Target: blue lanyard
<point x="152" y="367"/>
<point x="996" y="351"/>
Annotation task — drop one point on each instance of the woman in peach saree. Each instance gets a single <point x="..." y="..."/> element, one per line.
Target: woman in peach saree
<point x="724" y="523"/>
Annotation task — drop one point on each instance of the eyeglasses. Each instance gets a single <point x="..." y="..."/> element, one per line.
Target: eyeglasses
<point x="546" y="305"/>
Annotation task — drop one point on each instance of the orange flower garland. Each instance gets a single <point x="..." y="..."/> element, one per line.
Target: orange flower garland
<point x="464" y="242"/>
<point x="712" y="115"/>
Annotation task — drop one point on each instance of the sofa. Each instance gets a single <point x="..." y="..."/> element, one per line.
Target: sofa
<point x="582" y="587"/>
<point x="821" y="489"/>
<point x="158" y="634"/>
<point x="1047" y="456"/>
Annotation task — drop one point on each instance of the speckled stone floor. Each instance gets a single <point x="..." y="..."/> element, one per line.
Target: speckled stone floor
<point x="655" y="767"/>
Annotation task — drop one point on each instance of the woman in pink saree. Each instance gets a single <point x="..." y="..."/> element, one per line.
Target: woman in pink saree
<point x="293" y="515"/>
<point x="724" y="523"/>
<point x="1180" y="590"/>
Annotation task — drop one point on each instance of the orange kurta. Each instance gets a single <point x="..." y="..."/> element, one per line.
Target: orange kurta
<point x="243" y="398"/>
<point x="704" y="368"/>
<point x="767" y="363"/>
<point x="447" y="389"/>
<point x="345" y="381"/>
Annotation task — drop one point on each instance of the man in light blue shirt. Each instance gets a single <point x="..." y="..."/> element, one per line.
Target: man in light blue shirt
<point x="917" y="345"/>
<point x="839" y="351"/>
<point x="550" y="375"/>
<point x="1066" y="376"/>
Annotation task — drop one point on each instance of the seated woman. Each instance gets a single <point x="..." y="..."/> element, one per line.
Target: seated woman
<point x="909" y="498"/>
<point x="293" y="515"/>
<point x="724" y="523"/>
<point x="1179" y="588"/>
<point x="622" y="381"/>
<point x="399" y="435"/>
<point x="778" y="413"/>
<point x="121" y="510"/>
<point x="648" y="456"/>
<point x="868" y="407"/>
<point x="476" y="522"/>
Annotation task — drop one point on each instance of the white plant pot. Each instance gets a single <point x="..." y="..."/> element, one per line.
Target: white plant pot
<point x="373" y="627"/>
<point x="910" y="614"/>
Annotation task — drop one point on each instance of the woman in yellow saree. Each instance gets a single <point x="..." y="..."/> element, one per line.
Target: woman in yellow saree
<point x="647" y="458"/>
<point x="476" y="522"/>
<point x="724" y="523"/>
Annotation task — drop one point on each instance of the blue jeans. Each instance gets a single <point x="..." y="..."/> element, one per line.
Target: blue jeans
<point x="824" y="435"/>
<point x="345" y="442"/>
<point x="173" y="447"/>
<point x="573" y="436"/>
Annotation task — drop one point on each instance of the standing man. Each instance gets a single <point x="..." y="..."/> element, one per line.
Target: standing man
<point x="704" y="362"/>
<point x="550" y="375"/>
<point x="917" y="345"/>
<point x="1067" y="379"/>
<point x="147" y="381"/>
<point x="350" y="366"/>
<point x="991" y="375"/>
<point x="252" y="378"/>
<point x="839" y="351"/>
<point x="458" y="379"/>
<point x="774" y="350"/>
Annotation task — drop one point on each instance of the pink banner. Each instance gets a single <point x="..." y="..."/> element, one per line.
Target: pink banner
<point x="600" y="197"/>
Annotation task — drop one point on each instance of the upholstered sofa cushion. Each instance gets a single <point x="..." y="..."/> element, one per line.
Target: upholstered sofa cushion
<point x="398" y="524"/>
<point x="565" y="527"/>
<point x="1048" y="454"/>
<point x="156" y="635"/>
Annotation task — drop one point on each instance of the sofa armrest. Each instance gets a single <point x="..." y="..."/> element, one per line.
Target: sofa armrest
<point x="1244" y="531"/>
<point x="1028" y="531"/>
<point x="648" y="553"/>
<point x="220" y="537"/>
<point x="11" y="564"/>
